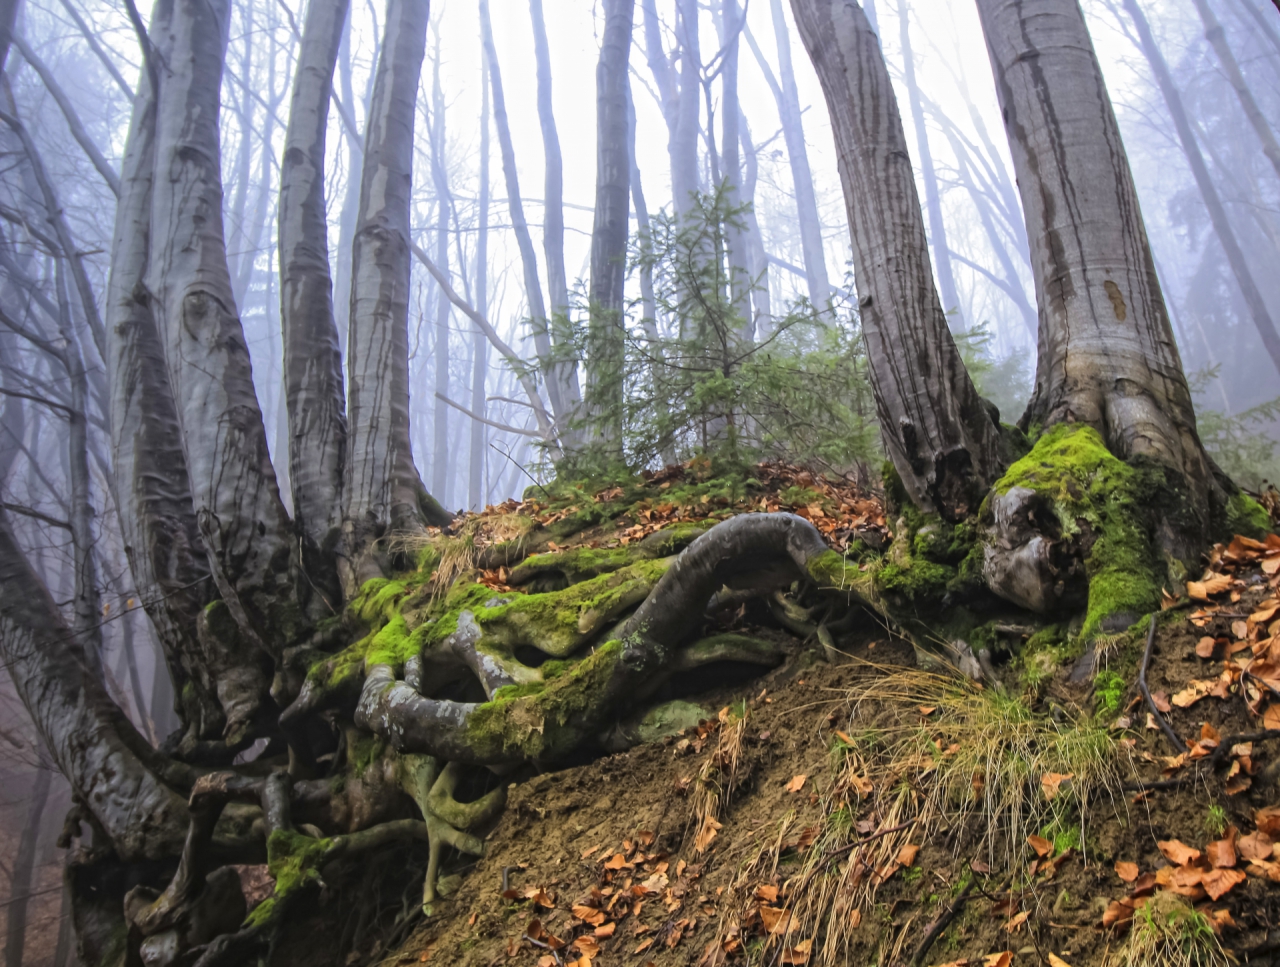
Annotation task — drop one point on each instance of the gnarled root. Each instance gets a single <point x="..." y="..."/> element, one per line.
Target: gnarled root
<point x="761" y="551"/>
<point x="447" y="821"/>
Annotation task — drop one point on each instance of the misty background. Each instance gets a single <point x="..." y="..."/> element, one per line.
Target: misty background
<point x="71" y="74"/>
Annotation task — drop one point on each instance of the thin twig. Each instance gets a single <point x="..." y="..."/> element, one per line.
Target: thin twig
<point x="943" y="921"/>
<point x="1146" y="692"/>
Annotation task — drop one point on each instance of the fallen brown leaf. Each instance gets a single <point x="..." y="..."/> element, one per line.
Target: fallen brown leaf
<point x="796" y="783"/>
<point x="1218" y="882"/>
<point x="1127" y="871"/>
<point x="1178" y="852"/>
<point x="1041" y="845"/>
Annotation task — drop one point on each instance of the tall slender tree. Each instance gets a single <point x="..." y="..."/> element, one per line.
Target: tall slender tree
<point x="610" y="231"/>
<point x="936" y="429"/>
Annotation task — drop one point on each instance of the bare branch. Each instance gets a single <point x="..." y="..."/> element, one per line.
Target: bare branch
<point x="494" y="423"/>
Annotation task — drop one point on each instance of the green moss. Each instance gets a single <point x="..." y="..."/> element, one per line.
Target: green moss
<point x="1108" y="692"/>
<point x="1099" y="501"/>
<point x="518" y="691"/>
<point x="917" y="581"/>
<point x="363" y="750"/>
<point x="549" y="722"/>
<point x="1246" y="516"/>
<point x="293" y="860"/>
<point x="558" y="621"/>
<point x="391" y="644"/>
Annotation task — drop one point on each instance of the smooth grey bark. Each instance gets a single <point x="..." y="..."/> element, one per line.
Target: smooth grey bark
<point x="74" y="124"/>
<point x="610" y="229"/>
<point x="730" y="22"/>
<point x="242" y="521"/>
<point x="1107" y="355"/>
<point x="684" y="139"/>
<point x="561" y="402"/>
<point x="351" y="196"/>
<point x="1217" y="37"/>
<point x="314" y="393"/>
<point x="815" y="266"/>
<point x="156" y="512"/>
<point x="21" y="875"/>
<point x="383" y="490"/>
<point x="564" y="371"/>
<point x="440" y="422"/>
<point x="757" y="259"/>
<point x="1253" y="297"/>
<point x="936" y="429"/>
<point x="932" y="196"/>
<point x="479" y="343"/>
<point x="94" y="745"/>
<point x="553" y="197"/>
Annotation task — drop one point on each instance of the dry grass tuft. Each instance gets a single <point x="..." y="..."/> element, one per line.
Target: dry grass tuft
<point x="717" y="778"/>
<point x="1167" y="932"/>
<point x="918" y="753"/>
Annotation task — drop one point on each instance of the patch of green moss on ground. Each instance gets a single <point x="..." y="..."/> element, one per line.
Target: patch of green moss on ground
<point x="919" y="580"/>
<point x="547" y="723"/>
<point x="1093" y="491"/>
<point x="1043" y="653"/>
<point x="363" y="749"/>
<point x="293" y="860"/>
<point x="1108" y="692"/>
<point x="1246" y="516"/>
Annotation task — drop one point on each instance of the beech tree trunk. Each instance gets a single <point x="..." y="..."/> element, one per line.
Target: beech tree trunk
<point x="1253" y="297"/>
<point x="314" y="394"/>
<point x="156" y="511"/>
<point x="383" y="490"/>
<point x="1107" y="355"/>
<point x="932" y="196"/>
<point x="936" y="429"/>
<point x="233" y="485"/>
<point x="440" y="422"/>
<point x="94" y="745"/>
<point x="610" y="231"/>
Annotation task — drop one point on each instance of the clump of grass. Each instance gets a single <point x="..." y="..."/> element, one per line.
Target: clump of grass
<point x="1215" y="821"/>
<point x="945" y="753"/>
<point x="1168" y="933"/>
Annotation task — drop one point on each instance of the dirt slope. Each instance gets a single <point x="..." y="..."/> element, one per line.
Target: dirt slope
<point x="826" y="843"/>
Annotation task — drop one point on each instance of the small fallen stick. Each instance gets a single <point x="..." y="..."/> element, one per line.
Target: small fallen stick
<point x="943" y="921"/>
<point x="1146" y="692"/>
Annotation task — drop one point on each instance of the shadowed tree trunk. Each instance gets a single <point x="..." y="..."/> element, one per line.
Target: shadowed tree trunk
<point x="740" y="278"/>
<point x="383" y="491"/>
<point x="932" y="196"/>
<point x="314" y="394"/>
<point x="93" y="743"/>
<point x="1253" y="297"/>
<point x="936" y="429"/>
<point x="1107" y="356"/>
<point x="609" y="233"/>
<point x="20" y="880"/>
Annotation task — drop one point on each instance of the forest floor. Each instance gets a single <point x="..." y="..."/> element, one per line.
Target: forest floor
<point x="868" y="811"/>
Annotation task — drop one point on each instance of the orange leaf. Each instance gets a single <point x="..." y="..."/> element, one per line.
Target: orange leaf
<point x="799" y="954"/>
<point x="1178" y="852"/>
<point x="1001" y="959"/>
<point x="1222" y="852"/>
<point x="1016" y="921"/>
<point x="1127" y="871"/>
<point x="645" y="945"/>
<point x="606" y="930"/>
<point x="1206" y="646"/>
<point x="1050" y="782"/>
<point x="796" y="783"/>
<point x="1056" y="961"/>
<point x="1041" y="845"/>
<point x="615" y="862"/>
<point x="1218" y="882"/>
<point x="1196" y="689"/>
<point x="1255" y="846"/>
<point x="907" y="855"/>
<point x="775" y="920"/>
<point x="1267" y="820"/>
